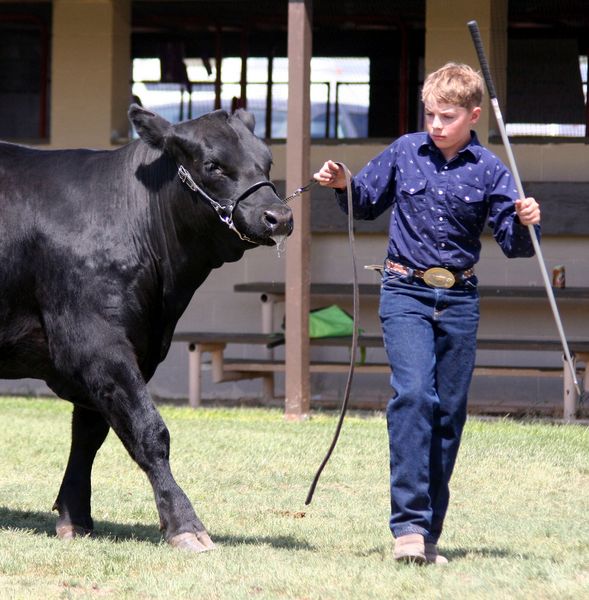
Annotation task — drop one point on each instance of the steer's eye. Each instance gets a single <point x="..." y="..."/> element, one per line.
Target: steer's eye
<point x="214" y="168"/>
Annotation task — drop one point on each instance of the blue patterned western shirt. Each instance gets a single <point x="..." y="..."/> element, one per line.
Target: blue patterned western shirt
<point x="440" y="207"/>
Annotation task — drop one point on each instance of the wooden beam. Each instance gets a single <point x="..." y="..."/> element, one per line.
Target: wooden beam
<point x="298" y="145"/>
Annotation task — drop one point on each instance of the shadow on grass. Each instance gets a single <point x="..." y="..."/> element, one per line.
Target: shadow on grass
<point x="478" y="552"/>
<point x="43" y="523"/>
<point x="279" y="541"/>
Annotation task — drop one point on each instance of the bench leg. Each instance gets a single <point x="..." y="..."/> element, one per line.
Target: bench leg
<point x="571" y="397"/>
<point x="268" y="304"/>
<point x="194" y="364"/>
<point x="217" y="366"/>
<point x="195" y="367"/>
<point x="584" y="358"/>
<point x="268" y="386"/>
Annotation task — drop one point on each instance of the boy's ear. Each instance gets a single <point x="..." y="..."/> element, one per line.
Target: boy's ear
<point x="475" y="114"/>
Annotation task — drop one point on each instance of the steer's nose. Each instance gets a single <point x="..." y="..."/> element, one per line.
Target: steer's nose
<point x="278" y="220"/>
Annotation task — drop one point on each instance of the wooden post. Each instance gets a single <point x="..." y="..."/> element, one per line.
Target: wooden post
<point x="298" y="146"/>
<point x="218" y="63"/>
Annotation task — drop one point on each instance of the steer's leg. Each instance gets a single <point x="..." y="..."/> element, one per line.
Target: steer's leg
<point x="147" y="440"/>
<point x="120" y="393"/>
<point x="89" y="430"/>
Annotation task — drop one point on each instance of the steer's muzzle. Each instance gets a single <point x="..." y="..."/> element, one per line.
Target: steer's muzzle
<point x="278" y="220"/>
<point x="263" y="217"/>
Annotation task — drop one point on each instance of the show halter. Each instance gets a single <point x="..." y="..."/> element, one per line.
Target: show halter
<point x="225" y="213"/>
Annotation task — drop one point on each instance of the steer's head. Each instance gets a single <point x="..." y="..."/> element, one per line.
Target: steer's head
<point x="226" y="162"/>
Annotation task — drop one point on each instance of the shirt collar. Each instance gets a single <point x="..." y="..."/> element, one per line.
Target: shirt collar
<point x="473" y="150"/>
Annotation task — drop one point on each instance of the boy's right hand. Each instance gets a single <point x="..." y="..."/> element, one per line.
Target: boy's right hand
<point x="331" y="175"/>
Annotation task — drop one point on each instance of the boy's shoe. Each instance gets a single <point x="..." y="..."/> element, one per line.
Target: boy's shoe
<point x="432" y="556"/>
<point x="410" y="548"/>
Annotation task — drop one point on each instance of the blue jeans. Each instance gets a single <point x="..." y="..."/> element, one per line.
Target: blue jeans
<point x="430" y="339"/>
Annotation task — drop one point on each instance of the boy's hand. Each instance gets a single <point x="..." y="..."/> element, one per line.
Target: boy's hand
<point x="331" y="175"/>
<point x="528" y="211"/>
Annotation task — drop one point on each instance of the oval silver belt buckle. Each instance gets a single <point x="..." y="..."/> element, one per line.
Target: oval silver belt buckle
<point x="439" y="278"/>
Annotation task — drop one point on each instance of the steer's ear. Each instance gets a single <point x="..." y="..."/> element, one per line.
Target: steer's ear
<point x="247" y="117"/>
<point x="152" y="129"/>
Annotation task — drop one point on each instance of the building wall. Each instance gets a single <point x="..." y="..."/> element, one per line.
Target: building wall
<point x="91" y="70"/>
<point x="96" y="31"/>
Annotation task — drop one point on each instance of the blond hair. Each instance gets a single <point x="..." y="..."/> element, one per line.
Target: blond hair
<point x="454" y="83"/>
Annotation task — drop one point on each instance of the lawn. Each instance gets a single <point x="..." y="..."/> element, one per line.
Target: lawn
<point x="518" y="525"/>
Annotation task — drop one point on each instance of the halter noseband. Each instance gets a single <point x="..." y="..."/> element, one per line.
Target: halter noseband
<point x="225" y="213"/>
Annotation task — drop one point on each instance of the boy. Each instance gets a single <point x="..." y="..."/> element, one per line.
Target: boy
<point x="443" y="186"/>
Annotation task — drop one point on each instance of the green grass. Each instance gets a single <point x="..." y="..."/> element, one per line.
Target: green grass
<point x="518" y="525"/>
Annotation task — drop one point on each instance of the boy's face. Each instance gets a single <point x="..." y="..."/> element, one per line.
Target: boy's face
<point x="449" y="125"/>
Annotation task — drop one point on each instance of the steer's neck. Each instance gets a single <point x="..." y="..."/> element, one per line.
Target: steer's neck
<point x="185" y="238"/>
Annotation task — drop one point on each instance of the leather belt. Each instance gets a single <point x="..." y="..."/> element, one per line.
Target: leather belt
<point x="435" y="277"/>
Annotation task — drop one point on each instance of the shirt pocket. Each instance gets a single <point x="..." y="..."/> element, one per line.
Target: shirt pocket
<point x="469" y="192"/>
<point x="468" y="200"/>
<point x="412" y="196"/>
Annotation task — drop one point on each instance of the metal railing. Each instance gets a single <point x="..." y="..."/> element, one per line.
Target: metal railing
<point x="329" y="118"/>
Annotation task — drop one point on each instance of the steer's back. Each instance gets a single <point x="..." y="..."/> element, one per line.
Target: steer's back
<point x="51" y="201"/>
<point x="61" y="185"/>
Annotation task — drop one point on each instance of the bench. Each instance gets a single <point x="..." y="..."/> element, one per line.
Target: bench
<point x="224" y="368"/>
<point x="231" y="369"/>
<point x="273" y="292"/>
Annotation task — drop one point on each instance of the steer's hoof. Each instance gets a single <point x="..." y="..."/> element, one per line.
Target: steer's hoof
<point x="200" y="542"/>
<point x="205" y="539"/>
<point x="69" y="532"/>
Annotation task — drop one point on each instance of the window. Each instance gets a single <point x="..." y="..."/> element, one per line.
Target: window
<point x="339" y="93"/>
<point x="546" y="88"/>
<point x="23" y="76"/>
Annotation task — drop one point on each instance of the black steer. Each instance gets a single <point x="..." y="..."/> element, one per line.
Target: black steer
<point x="100" y="253"/>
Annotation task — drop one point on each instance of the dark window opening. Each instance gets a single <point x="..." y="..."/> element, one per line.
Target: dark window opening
<point x="547" y="89"/>
<point x="547" y="82"/>
<point x="24" y="72"/>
